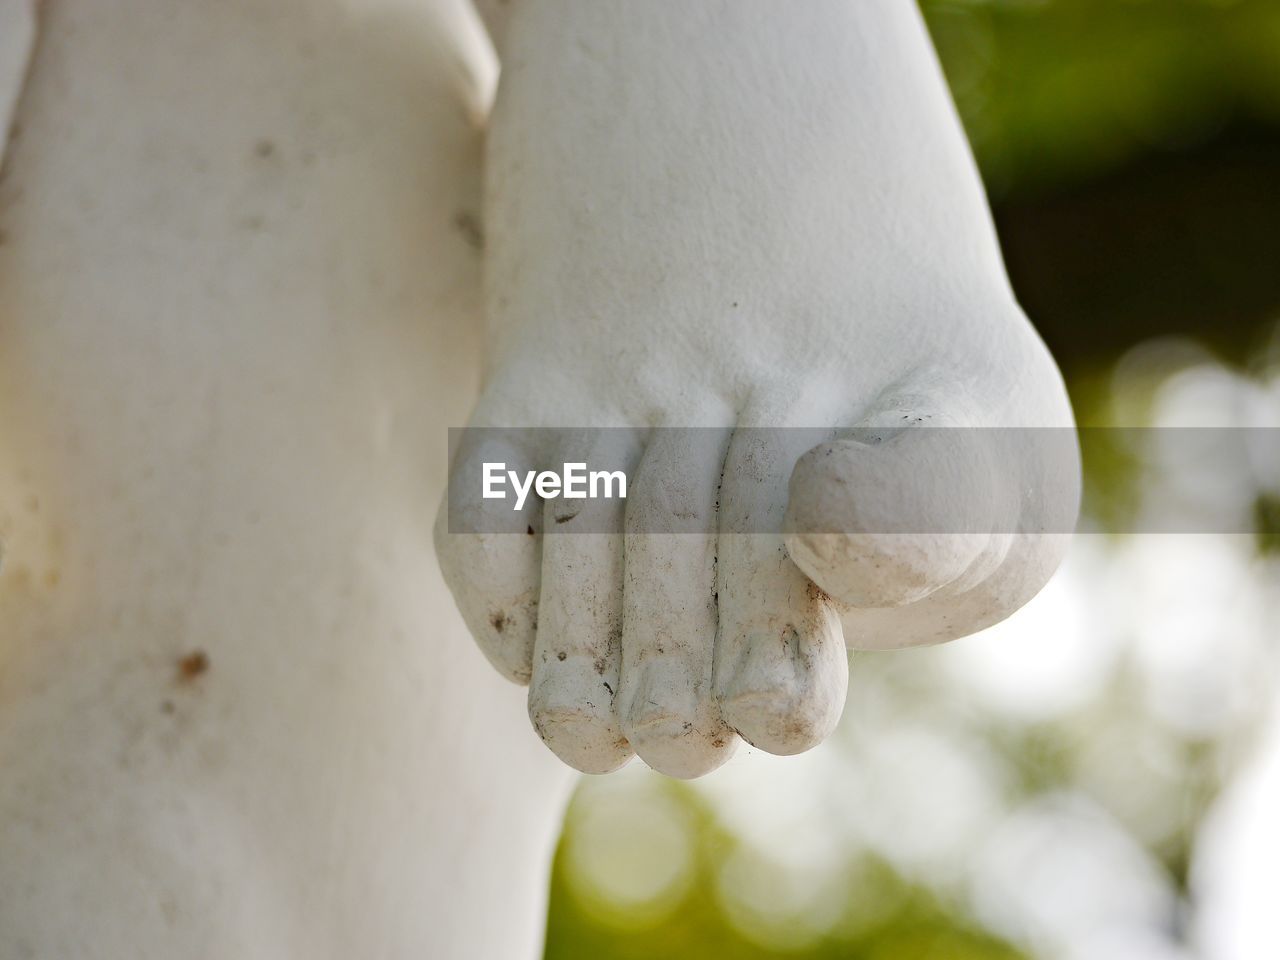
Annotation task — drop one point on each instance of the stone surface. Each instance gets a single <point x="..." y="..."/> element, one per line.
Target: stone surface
<point x="240" y="302"/>
<point x="739" y="226"/>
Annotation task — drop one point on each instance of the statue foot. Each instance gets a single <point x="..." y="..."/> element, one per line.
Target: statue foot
<point x="745" y="556"/>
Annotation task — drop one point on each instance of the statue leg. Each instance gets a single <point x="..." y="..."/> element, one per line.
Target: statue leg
<point x="735" y="215"/>
<point x="238" y="296"/>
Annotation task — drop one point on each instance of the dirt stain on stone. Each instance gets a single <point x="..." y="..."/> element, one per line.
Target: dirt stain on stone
<point x="193" y="666"/>
<point x="468" y="225"/>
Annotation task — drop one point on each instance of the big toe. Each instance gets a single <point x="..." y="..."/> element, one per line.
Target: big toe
<point x="883" y="519"/>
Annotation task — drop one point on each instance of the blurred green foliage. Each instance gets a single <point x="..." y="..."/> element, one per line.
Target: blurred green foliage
<point x="892" y="919"/>
<point x="1055" y="90"/>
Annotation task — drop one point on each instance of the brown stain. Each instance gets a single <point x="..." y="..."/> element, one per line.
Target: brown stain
<point x="815" y="592"/>
<point x="20" y="578"/>
<point x="193" y="666"/>
<point x="499" y="621"/>
<point x="468" y="225"/>
<point x="264" y="148"/>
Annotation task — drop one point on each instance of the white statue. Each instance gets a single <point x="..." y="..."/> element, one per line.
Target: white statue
<point x="240" y="302"/>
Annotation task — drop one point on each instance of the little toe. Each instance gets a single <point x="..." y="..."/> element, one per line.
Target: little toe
<point x="489" y="552"/>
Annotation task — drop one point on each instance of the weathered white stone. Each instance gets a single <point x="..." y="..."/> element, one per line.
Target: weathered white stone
<point x="239" y="714"/>
<point x="726" y="216"/>
<point x="239" y="303"/>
